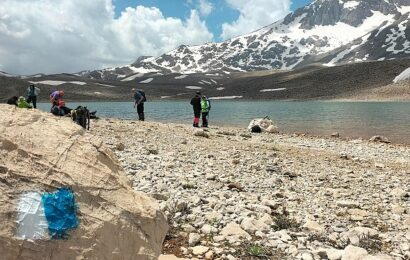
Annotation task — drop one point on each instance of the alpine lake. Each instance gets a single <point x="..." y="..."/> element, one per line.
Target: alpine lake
<point x="349" y="119"/>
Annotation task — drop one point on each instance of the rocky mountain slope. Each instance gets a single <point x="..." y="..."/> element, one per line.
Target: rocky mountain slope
<point x="330" y="32"/>
<point x="309" y="82"/>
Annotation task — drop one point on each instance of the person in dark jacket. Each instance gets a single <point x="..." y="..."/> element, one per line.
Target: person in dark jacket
<point x="196" y="105"/>
<point x="12" y="100"/>
<point x="32" y="93"/>
<point x="139" y="99"/>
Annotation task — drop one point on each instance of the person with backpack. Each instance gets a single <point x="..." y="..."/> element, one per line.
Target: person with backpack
<point x="205" y="107"/>
<point x="55" y="96"/>
<point x="139" y="97"/>
<point x="32" y="93"/>
<point x="196" y="105"/>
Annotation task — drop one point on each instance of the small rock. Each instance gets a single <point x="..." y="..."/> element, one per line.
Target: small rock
<point x="234" y="230"/>
<point x="209" y="255"/>
<point x="201" y="133"/>
<point x="208" y="229"/>
<point x="377" y="257"/>
<point x="193" y="239"/>
<point x="211" y="177"/>
<point x="235" y="186"/>
<point x="379" y="165"/>
<point x="236" y="161"/>
<point x="307" y="256"/>
<point x="335" y="134"/>
<point x="230" y="257"/>
<point x="272" y="129"/>
<point x="347" y="204"/>
<point x="199" y="250"/>
<point x="398" y="193"/>
<point x="313" y="226"/>
<point x="120" y="147"/>
<point x="169" y="257"/>
<point x="379" y="138"/>
<point x="405" y="247"/>
<point x="334" y="254"/>
<point x="397" y="209"/>
<point x="159" y="196"/>
<point x="354" y="253"/>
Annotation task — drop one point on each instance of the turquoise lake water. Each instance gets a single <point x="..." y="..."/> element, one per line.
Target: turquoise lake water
<point x="350" y="119"/>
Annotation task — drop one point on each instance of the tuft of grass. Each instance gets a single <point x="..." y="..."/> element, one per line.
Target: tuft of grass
<point x="284" y="221"/>
<point x="251" y="251"/>
<point x="255" y="250"/>
<point x="188" y="186"/>
<point x="372" y="244"/>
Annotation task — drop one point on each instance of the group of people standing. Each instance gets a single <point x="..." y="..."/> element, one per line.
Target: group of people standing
<point x="56" y="98"/>
<point x="22" y="102"/>
<point x="201" y="105"/>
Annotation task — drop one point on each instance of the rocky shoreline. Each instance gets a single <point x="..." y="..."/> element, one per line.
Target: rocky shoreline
<point x="229" y="194"/>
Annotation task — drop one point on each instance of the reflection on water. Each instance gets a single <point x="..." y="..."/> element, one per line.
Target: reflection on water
<point x="354" y="119"/>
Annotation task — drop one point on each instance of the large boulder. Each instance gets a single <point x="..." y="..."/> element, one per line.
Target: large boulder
<point x="262" y="125"/>
<point x="42" y="155"/>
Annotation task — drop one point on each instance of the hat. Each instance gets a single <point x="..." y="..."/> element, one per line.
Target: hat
<point x="198" y="92"/>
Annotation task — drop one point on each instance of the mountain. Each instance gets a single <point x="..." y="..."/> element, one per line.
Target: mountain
<point x="328" y="32"/>
<point x="353" y="81"/>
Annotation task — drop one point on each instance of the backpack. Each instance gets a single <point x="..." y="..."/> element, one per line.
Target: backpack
<point x="256" y="129"/>
<point x="142" y="93"/>
<point x="81" y="115"/>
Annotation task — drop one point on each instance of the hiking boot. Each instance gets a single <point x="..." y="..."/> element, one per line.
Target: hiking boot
<point x="195" y="125"/>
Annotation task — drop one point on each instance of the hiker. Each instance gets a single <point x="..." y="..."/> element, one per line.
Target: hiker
<point x="139" y="96"/>
<point x="22" y="103"/>
<point x="61" y="105"/>
<point x="59" y="108"/>
<point x="32" y="93"/>
<point x="56" y="96"/>
<point x="205" y="107"/>
<point x="196" y="105"/>
<point x="12" y="100"/>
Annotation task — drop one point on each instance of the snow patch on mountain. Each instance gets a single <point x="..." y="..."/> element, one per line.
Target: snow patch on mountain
<point x="181" y="77"/>
<point x="193" y="87"/>
<point x="105" y="85"/>
<point x="225" y="97"/>
<point x="58" y="82"/>
<point x="391" y="39"/>
<point x="147" y="81"/>
<point x="351" y="4"/>
<point x="272" y="89"/>
<point x="404" y="9"/>
<point x="138" y="75"/>
<point x="403" y="76"/>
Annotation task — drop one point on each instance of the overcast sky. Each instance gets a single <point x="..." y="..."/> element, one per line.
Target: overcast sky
<point x="54" y="36"/>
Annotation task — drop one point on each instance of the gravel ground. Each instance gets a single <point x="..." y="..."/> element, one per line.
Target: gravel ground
<point x="229" y="194"/>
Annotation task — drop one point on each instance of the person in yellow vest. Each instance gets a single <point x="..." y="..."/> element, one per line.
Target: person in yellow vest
<point x="22" y="103"/>
<point x="205" y="107"/>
